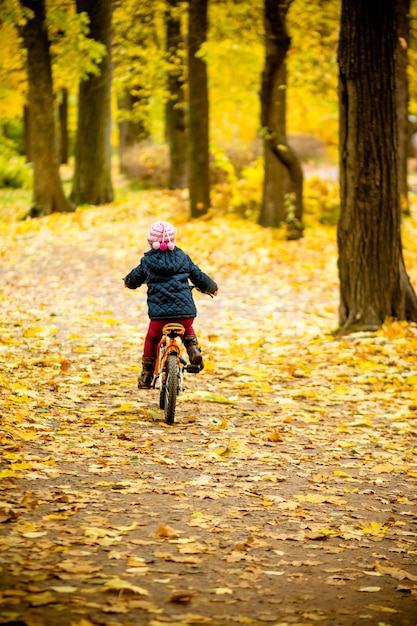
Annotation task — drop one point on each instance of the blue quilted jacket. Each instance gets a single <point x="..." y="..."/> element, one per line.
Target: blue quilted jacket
<point x="168" y="274"/>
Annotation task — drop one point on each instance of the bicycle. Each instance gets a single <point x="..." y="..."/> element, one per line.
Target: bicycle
<point x="169" y="369"/>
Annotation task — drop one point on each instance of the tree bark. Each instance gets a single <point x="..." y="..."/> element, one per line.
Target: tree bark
<point x="63" y="126"/>
<point x="403" y="9"/>
<point x="277" y="44"/>
<point x="48" y="194"/>
<point x="175" y="109"/>
<point x="276" y="183"/>
<point x="199" y="174"/>
<point x="92" y="174"/>
<point x="373" y="281"/>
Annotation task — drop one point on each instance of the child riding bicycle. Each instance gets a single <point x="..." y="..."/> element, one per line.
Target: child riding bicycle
<point x="167" y="271"/>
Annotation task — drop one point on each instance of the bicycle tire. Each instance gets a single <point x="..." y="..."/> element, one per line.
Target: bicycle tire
<point x="162" y="397"/>
<point x="171" y="387"/>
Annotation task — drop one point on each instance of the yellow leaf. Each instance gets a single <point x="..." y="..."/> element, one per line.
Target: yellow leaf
<point x="342" y="474"/>
<point x="64" y="589"/>
<point x="41" y="599"/>
<point x="223" y="451"/>
<point x="72" y="567"/>
<point x="164" y="460"/>
<point x="274" y="437"/>
<point x="383" y="468"/>
<point x="383" y="609"/>
<point x="111" y="321"/>
<point x="98" y="533"/>
<point x="124" y="408"/>
<point x="315" y="498"/>
<point x="220" y="591"/>
<point x="373" y="528"/>
<point x="168" y="533"/>
<point x="395" y="572"/>
<point x="209" y="396"/>
<point x="290" y="505"/>
<point x="8" y="473"/>
<point x="117" y="584"/>
<point x="59" y="516"/>
<point x="134" y="561"/>
<point x="222" y="424"/>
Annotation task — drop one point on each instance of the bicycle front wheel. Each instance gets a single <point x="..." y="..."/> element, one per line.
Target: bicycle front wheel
<point x="171" y="387"/>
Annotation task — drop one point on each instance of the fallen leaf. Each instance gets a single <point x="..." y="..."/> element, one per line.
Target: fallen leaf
<point x="181" y="597"/>
<point x="117" y="584"/>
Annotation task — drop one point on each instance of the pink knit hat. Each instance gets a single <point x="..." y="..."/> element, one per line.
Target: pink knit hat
<point x="161" y="236"/>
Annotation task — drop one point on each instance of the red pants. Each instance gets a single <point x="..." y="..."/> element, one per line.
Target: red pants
<point x="154" y="333"/>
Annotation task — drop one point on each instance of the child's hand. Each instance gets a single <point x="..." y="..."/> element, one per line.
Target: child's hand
<point x="216" y="292"/>
<point x="123" y="279"/>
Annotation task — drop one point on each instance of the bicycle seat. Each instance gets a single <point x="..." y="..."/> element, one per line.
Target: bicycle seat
<point x="172" y="329"/>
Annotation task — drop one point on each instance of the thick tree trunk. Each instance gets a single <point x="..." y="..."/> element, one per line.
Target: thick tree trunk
<point x="92" y="175"/>
<point x="403" y="9"/>
<point x="277" y="44"/>
<point x="199" y="174"/>
<point x="276" y="184"/>
<point x="373" y="281"/>
<point x="175" y="109"/>
<point x="48" y="194"/>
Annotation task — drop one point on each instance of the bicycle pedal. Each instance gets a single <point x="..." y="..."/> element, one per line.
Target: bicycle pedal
<point x="193" y="369"/>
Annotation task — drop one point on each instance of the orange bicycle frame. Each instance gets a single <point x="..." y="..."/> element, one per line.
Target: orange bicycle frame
<point x="170" y="332"/>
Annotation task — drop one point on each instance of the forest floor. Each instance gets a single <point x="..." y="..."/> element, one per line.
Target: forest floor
<point x="285" y="492"/>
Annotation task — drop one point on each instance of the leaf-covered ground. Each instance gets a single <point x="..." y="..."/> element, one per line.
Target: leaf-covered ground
<point x="285" y="492"/>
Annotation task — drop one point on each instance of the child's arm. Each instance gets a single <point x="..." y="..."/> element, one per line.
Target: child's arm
<point x="135" y="278"/>
<point x="202" y="281"/>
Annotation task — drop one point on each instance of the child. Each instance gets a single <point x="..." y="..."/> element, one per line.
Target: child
<point x="167" y="270"/>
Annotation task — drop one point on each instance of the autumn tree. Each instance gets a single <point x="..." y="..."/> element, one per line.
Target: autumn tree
<point x="277" y="42"/>
<point x="137" y="60"/>
<point x="92" y="174"/>
<point x="175" y="108"/>
<point x="48" y="195"/>
<point x="374" y="284"/>
<point x="198" y="118"/>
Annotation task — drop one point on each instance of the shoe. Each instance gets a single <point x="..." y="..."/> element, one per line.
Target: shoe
<point x="146" y="377"/>
<point x="193" y="351"/>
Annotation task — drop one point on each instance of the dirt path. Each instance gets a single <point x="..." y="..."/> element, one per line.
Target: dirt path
<point x="284" y="494"/>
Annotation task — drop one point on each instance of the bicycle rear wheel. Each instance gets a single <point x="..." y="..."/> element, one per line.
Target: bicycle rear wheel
<point x="171" y="387"/>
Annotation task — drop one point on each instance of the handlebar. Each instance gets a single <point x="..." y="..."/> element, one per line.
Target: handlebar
<point x="201" y="291"/>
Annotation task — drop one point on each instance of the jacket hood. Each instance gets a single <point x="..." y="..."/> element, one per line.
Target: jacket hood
<point x="165" y="262"/>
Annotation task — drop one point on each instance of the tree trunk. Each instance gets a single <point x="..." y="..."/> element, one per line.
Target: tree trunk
<point x="175" y="109"/>
<point x="92" y="175"/>
<point x="199" y="176"/>
<point x="131" y="132"/>
<point x="48" y="194"/>
<point x="403" y="8"/>
<point x="277" y="44"/>
<point x="63" y="126"/>
<point x="276" y="181"/>
<point x="27" y="143"/>
<point x="373" y="281"/>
